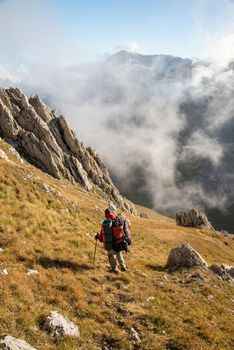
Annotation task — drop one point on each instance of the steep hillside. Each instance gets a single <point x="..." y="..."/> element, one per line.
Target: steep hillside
<point x="49" y="225"/>
<point x="164" y="126"/>
<point x="47" y="141"/>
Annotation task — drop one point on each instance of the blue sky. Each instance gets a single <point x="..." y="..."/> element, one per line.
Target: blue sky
<point x="178" y="27"/>
<point x="158" y="26"/>
<point x="82" y="30"/>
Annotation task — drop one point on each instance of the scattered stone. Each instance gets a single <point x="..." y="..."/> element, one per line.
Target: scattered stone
<point x="50" y="190"/>
<point x="185" y="256"/>
<point x="225" y="233"/>
<point x="4" y="272"/>
<point x="32" y="272"/>
<point x="223" y="271"/>
<point x="144" y="216"/>
<point x="12" y="343"/>
<point x="150" y="299"/>
<point x="229" y="269"/>
<point x="60" y="325"/>
<point x="30" y="176"/>
<point x="135" y="335"/>
<point x="125" y="287"/>
<point x="210" y="297"/>
<point x="193" y="218"/>
<point x="143" y="274"/>
<point x="4" y="156"/>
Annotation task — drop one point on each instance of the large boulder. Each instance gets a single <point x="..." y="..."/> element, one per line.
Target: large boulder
<point x="185" y="256"/>
<point x="144" y="215"/>
<point x="12" y="343"/>
<point x="193" y="218"/>
<point x="225" y="272"/>
<point x="47" y="141"/>
<point x="60" y="325"/>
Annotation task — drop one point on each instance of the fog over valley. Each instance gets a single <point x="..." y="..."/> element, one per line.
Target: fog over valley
<point x="163" y="125"/>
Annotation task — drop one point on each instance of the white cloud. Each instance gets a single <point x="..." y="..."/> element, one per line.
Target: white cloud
<point x="132" y="116"/>
<point x="215" y="26"/>
<point x="203" y="146"/>
<point x="132" y="46"/>
<point x="30" y="32"/>
<point x="223" y="47"/>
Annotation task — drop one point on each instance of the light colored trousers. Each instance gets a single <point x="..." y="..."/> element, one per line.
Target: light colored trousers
<point x="113" y="257"/>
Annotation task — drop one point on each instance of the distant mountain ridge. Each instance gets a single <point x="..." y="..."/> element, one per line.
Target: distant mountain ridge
<point x="124" y="56"/>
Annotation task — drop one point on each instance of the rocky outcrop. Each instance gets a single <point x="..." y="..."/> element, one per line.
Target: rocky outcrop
<point x="193" y="218"/>
<point x="144" y="215"/>
<point x="185" y="256"/>
<point x="47" y="141"/>
<point x="225" y="272"/>
<point x="12" y="343"/>
<point x="3" y="155"/>
<point x="60" y="325"/>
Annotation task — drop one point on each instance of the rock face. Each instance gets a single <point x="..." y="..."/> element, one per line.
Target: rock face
<point x="193" y="218"/>
<point x="185" y="256"/>
<point x="11" y="343"/>
<point x="47" y="141"/>
<point x="225" y="272"/>
<point x="60" y="325"/>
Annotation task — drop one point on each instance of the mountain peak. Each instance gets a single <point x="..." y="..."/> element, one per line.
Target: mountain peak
<point x="129" y="57"/>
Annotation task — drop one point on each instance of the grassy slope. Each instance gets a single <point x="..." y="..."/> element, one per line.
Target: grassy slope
<point x="55" y="235"/>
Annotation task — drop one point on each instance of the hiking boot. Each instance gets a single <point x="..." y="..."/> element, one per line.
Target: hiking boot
<point x="114" y="271"/>
<point x="123" y="268"/>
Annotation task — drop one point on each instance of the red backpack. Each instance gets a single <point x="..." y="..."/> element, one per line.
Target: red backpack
<point x="121" y="233"/>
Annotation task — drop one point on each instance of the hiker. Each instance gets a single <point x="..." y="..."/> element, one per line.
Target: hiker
<point x="115" y="236"/>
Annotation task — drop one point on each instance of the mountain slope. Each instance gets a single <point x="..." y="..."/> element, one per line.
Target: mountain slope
<point x="49" y="224"/>
<point x="168" y="122"/>
<point x="47" y="141"/>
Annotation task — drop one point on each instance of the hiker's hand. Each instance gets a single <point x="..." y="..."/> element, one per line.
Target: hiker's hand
<point x="97" y="236"/>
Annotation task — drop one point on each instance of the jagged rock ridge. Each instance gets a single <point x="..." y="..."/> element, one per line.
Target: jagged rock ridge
<point x="193" y="218"/>
<point x="47" y="141"/>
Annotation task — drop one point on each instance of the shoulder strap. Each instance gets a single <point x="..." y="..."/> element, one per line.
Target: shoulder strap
<point x="107" y="222"/>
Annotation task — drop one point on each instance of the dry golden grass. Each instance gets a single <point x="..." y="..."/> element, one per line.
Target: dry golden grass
<point x="55" y="235"/>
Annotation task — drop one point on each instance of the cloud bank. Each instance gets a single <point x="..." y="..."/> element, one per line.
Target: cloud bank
<point x="160" y="123"/>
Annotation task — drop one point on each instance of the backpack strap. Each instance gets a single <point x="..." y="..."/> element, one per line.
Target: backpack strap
<point x="108" y="234"/>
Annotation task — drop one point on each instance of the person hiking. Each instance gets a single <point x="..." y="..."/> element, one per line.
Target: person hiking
<point x="115" y="236"/>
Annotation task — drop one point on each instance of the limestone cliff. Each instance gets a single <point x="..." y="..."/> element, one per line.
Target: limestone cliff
<point x="47" y="141"/>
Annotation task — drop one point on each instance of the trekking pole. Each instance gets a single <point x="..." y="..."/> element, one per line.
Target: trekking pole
<point x="95" y="249"/>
